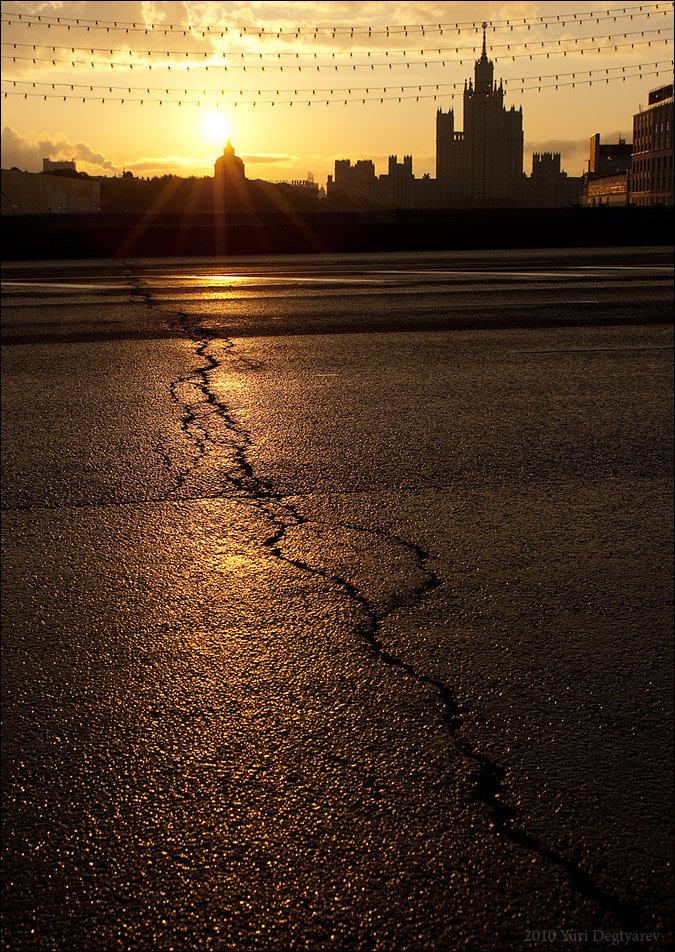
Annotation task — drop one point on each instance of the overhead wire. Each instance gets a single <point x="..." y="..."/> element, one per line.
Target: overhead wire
<point x="315" y="62"/>
<point x="494" y="48"/>
<point x="603" y="71"/>
<point x="336" y="67"/>
<point x="336" y="32"/>
<point x="354" y="95"/>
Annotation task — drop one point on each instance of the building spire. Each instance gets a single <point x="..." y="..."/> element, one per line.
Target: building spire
<point x="484" y="70"/>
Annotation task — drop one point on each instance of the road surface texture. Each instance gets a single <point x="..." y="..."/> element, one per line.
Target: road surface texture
<point x="337" y="601"/>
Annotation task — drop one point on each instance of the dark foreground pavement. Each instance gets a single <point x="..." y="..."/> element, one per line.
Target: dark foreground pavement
<point x="337" y="601"/>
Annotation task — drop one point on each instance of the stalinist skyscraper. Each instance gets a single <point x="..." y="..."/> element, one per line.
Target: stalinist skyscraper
<point x="482" y="166"/>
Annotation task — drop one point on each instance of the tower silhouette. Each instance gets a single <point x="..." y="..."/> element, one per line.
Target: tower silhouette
<point x="483" y="165"/>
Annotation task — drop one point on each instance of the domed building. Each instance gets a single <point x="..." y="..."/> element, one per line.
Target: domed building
<point x="229" y="167"/>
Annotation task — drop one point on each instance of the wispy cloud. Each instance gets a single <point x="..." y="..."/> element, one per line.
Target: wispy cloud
<point x="260" y="158"/>
<point x="169" y="165"/>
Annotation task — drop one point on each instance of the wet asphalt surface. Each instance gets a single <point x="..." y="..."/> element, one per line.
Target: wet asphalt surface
<point x="337" y="602"/>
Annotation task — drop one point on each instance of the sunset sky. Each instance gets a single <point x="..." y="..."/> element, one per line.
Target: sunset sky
<point x="209" y="56"/>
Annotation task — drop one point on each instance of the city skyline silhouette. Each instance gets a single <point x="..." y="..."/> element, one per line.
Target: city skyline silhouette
<point x="156" y="98"/>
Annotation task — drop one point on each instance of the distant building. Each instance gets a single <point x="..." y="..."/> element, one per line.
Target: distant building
<point x="65" y="166"/>
<point x="451" y="159"/>
<point x="229" y="168"/>
<point x="652" y="165"/>
<point x="37" y="193"/>
<point x="612" y="188"/>
<point x="549" y="186"/>
<point x="306" y="190"/>
<point x="609" y="157"/>
<point x="483" y="165"/>
<point x="607" y="181"/>
<point x="357" y="181"/>
<point x="395" y="189"/>
<point x="425" y="192"/>
<point x="304" y="185"/>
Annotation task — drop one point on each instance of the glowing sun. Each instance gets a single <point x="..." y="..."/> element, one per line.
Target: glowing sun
<point x="215" y="127"/>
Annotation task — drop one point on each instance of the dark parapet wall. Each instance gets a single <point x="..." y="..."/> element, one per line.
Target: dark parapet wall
<point x="39" y="237"/>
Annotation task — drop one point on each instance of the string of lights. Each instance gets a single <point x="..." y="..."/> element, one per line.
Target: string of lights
<point x="336" y="67"/>
<point x="336" y="32"/>
<point x="370" y="96"/>
<point x="336" y="90"/>
<point x="430" y="51"/>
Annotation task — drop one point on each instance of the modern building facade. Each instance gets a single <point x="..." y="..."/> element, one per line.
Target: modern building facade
<point x="609" y="157"/>
<point x="36" y="193"/>
<point x="652" y="165"/>
<point x="611" y="188"/>
<point x="607" y="181"/>
<point x="483" y="164"/>
<point x="59" y="165"/>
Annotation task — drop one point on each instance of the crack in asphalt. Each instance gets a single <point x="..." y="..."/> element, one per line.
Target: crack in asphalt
<point x="487" y="776"/>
